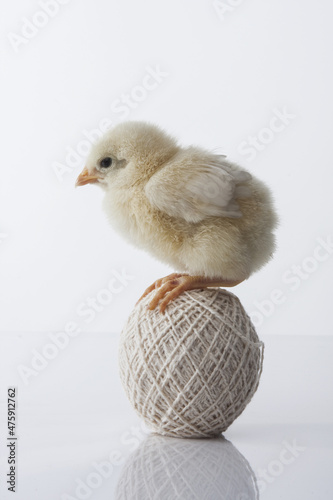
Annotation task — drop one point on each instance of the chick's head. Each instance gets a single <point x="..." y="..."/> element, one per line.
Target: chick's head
<point x="130" y="152"/>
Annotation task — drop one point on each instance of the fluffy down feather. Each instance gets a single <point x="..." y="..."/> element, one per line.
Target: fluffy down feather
<point x="191" y="209"/>
<point x="209" y="188"/>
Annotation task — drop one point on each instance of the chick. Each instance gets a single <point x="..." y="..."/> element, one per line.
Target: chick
<point x="194" y="210"/>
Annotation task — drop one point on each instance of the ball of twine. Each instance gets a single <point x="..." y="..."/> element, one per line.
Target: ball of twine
<point x="191" y="371"/>
<point x="186" y="469"/>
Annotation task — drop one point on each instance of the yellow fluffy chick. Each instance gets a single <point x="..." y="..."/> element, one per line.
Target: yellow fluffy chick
<point x="194" y="210"/>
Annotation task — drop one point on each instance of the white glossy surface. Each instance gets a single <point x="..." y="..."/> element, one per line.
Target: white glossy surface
<point x="73" y="415"/>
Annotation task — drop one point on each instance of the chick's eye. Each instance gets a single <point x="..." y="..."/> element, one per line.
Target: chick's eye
<point x="106" y="162"/>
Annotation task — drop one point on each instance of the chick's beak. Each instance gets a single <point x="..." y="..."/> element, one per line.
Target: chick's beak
<point x="86" y="178"/>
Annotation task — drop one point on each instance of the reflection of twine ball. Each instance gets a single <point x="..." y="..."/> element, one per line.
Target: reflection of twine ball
<point x="191" y="469"/>
<point x="193" y="370"/>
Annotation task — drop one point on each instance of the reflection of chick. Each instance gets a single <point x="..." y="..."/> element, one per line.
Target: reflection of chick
<point x="192" y="209"/>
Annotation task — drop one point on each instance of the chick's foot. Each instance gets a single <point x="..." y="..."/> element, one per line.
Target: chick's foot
<point x="159" y="283"/>
<point x="172" y="286"/>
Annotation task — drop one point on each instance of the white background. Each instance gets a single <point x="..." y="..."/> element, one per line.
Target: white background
<point x="225" y="75"/>
<point x="225" y="78"/>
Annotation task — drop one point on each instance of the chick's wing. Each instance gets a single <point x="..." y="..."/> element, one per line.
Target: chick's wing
<point x="194" y="185"/>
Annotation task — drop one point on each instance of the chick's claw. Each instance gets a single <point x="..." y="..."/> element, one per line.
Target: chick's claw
<point x="171" y="287"/>
<point x="159" y="283"/>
